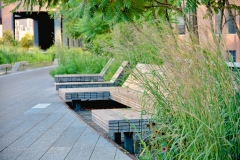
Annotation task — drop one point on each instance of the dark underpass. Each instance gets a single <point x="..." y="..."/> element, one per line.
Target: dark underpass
<point x="43" y="27"/>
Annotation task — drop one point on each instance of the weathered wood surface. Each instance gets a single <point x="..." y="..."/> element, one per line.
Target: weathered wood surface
<point x="18" y="64"/>
<point x="78" y="78"/>
<point x="120" y="120"/>
<point x="83" y="77"/>
<point x="122" y="95"/>
<point x="115" y="80"/>
<point x="55" y="62"/>
<point x="4" y="66"/>
<point x="105" y="68"/>
<point x="83" y="85"/>
<point x="130" y="94"/>
<point x="98" y="93"/>
<point x="127" y="97"/>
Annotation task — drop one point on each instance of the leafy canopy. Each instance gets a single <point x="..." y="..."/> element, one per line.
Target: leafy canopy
<point x="88" y="18"/>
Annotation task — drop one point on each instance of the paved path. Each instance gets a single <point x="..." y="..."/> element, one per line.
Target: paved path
<point x="35" y="124"/>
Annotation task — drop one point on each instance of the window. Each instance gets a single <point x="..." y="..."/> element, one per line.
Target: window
<point x="180" y="25"/>
<point x="230" y="27"/>
<point x="16" y="23"/>
<point x="30" y="22"/>
<point x="231" y="56"/>
<point x="217" y="22"/>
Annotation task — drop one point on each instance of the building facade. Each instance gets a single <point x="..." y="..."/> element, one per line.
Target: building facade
<point x="229" y="35"/>
<point x="46" y="30"/>
<point x="22" y="27"/>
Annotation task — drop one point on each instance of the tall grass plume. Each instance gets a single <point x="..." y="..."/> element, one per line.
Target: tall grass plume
<point x="195" y="95"/>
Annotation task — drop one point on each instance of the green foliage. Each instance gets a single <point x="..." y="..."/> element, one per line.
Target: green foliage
<point x="8" y="39"/>
<point x="195" y="96"/>
<point x="215" y="5"/>
<point x="96" y="16"/>
<point x="112" y="69"/>
<point x="11" y="54"/>
<point x="26" y="41"/>
<point x="135" y="49"/>
<point x="74" y="60"/>
<point x="91" y="18"/>
<point x="52" y="51"/>
<point x="96" y="46"/>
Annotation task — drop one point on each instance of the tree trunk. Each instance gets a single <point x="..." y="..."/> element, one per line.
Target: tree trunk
<point x="191" y="24"/>
<point x="222" y="13"/>
<point x="195" y="25"/>
<point x="232" y="19"/>
<point x="210" y="18"/>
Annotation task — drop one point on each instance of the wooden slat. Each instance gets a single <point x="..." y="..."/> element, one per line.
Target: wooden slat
<point x="75" y="80"/>
<point x="83" y="77"/>
<point x="105" y="68"/>
<point x="120" y="120"/>
<point x="119" y="115"/>
<point x="129" y="128"/>
<point x="120" y="124"/>
<point x="3" y="66"/>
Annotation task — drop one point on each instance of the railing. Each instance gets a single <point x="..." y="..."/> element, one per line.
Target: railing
<point x="181" y="29"/>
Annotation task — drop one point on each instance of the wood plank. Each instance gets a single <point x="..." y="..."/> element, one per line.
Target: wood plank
<point x="106" y="67"/>
<point x="126" y="128"/>
<point x="119" y="115"/>
<point x="121" y="124"/>
<point x="3" y="66"/>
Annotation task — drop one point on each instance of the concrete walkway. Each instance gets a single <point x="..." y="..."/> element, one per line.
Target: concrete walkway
<point x="35" y="124"/>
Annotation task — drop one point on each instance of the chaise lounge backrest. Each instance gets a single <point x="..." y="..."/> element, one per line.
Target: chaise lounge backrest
<point x="133" y="81"/>
<point x="63" y="78"/>
<point x="118" y="76"/>
<point x="105" y="68"/>
<point x="115" y="80"/>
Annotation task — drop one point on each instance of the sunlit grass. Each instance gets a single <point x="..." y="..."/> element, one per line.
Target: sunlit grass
<point x="77" y="61"/>
<point x="11" y="54"/>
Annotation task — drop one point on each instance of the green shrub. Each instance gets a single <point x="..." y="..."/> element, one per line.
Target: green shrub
<point x="26" y="41"/>
<point x="96" y="46"/>
<point x="52" y="51"/>
<point x="11" y="54"/>
<point x="8" y="39"/>
<point x="74" y="60"/>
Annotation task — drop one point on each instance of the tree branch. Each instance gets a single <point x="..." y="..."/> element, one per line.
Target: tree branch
<point x="166" y="5"/>
<point x="232" y="18"/>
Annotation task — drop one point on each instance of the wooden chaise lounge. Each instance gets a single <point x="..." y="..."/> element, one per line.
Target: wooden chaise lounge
<point x="115" y="80"/>
<point x="5" y="66"/>
<point x="116" y="121"/>
<point x="83" y="77"/>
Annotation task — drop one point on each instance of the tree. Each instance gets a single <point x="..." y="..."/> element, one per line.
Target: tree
<point x="105" y="13"/>
<point x="90" y="17"/>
